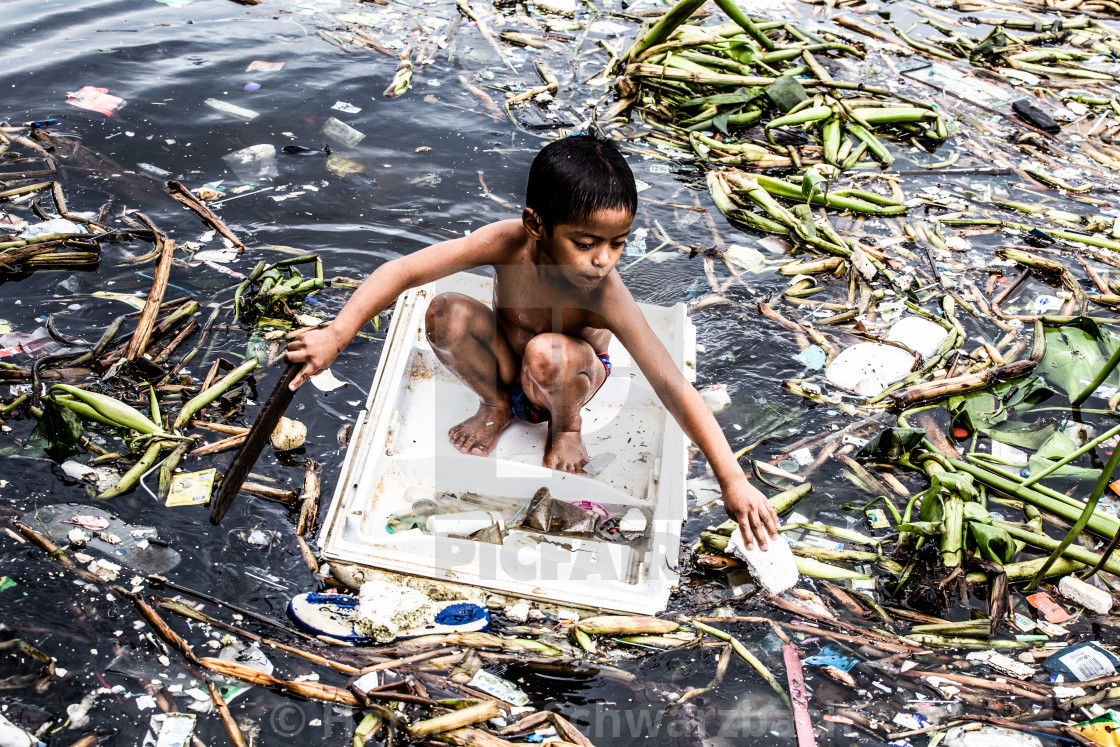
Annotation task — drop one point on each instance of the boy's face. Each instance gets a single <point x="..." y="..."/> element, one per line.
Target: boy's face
<point x="585" y="251"/>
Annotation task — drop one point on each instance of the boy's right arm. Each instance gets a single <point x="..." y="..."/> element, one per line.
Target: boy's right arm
<point x="317" y="348"/>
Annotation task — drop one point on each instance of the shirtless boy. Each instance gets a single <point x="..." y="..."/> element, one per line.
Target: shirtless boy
<point x="540" y="354"/>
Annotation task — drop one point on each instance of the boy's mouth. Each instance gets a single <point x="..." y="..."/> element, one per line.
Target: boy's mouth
<point x="594" y="279"/>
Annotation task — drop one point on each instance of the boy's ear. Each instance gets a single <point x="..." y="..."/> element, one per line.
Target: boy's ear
<point x="534" y="226"/>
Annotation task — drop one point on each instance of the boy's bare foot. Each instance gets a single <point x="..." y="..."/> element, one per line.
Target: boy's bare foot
<point x="478" y="433"/>
<point x="565" y="452"/>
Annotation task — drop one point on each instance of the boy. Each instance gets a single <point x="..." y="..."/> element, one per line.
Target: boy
<point x="540" y="354"/>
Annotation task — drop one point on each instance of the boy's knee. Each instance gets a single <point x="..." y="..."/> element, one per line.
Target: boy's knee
<point x="446" y="318"/>
<point x="548" y="355"/>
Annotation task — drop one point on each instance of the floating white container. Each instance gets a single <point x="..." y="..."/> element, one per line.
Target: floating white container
<point x="400" y="442"/>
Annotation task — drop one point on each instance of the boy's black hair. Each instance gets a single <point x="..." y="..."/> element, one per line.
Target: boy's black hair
<point x="573" y="177"/>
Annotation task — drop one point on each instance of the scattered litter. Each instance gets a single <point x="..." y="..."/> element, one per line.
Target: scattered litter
<point x="500" y="688"/>
<point x="1082" y="661"/>
<point x="1045" y="604"/>
<point x="343" y="106"/>
<point x="96" y="100"/>
<point x="326" y="381"/>
<point x="715" y="396"/>
<point x="170" y="730"/>
<point x="253" y="163"/>
<point x="191" y="488"/>
<point x="1090" y="597"/>
<point x="288" y="434"/>
<point x="868" y="368"/>
<point x="263" y="66"/>
<point x="773" y="568"/>
<point x="227" y="108"/>
<point x="342" y="133"/>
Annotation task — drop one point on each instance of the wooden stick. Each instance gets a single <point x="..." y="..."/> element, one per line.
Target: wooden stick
<point x="305" y="551"/>
<point x="219" y="702"/>
<point x="187" y="611"/>
<point x="309" y="509"/>
<point x="41" y="540"/>
<point x="185" y="196"/>
<point x="313" y="690"/>
<point x="483" y="29"/>
<point x="147" y="321"/>
<point x="960" y="384"/>
<point x="161" y="627"/>
<point x="218" y="446"/>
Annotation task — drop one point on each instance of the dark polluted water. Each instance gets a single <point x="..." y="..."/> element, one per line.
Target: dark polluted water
<point x="414" y="179"/>
<point x="205" y="79"/>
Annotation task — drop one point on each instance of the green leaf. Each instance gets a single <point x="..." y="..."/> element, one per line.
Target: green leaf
<point x="923" y="528"/>
<point x="1057" y="447"/>
<point x="1022" y="394"/>
<point x="812" y="184"/>
<point x="786" y="92"/>
<point x="977" y="410"/>
<point x="1073" y="355"/>
<point x="58" y="431"/>
<point x="993" y="543"/>
<point x="891" y="444"/>
<point x="1018" y="433"/>
<point x="720" y="122"/>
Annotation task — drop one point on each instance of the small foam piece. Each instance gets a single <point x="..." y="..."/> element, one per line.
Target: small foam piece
<point x="1088" y="596"/>
<point x="774" y="569"/>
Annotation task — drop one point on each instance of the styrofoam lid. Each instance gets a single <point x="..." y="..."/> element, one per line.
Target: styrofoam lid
<point x="869" y="367"/>
<point x="920" y="335"/>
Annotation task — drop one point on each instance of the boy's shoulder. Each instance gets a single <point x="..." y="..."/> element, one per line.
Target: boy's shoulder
<point x="509" y="235"/>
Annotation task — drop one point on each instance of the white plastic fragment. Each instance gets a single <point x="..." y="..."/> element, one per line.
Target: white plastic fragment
<point x="518" y="613"/>
<point x="327" y="381"/>
<point x="13" y="736"/>
<point x="463" y="523"/>
<point x="1002" y="663"/>
<point x="342" y="133"/>
<point x="500" y="688"/>
<point x="1088" y="596"/>
<point x="920" y="335"/>
<point x="49" y="227"/>
<point x="868" y="368"/>
<point x="716" y="397"/>
<point x="746" y="257"/>
<point x="173" y="729"/>
<point x="253" y="163"/>
<point x="227" y="108"/>
<point x="988" y="736"/>
<point x="634" y="520"/>
<point x="774" y="569"/>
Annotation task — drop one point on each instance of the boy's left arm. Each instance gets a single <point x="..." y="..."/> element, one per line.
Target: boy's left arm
<point x="744" y="503"/>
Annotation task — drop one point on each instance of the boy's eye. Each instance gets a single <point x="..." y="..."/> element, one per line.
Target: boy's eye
<point x="583" y="246"/>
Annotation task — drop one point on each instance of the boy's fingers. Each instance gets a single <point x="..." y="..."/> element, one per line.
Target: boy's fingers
<point x="304" y="374"/>
<point x="759" y="531"/>
<point x="745" y="530"/>
<point x="771" y="518"/>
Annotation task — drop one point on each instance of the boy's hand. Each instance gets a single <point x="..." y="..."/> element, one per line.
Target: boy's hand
<point x="316" y="349"/>
<point x="756" y="517"/>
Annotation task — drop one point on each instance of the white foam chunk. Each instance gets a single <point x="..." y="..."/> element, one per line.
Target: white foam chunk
<point x="1088" y="596"/>
<point x="868" y="368"/>
<point x="920" y="335"/>
<point x="385" y="608"/>
<point x="774" y="569"/>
